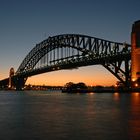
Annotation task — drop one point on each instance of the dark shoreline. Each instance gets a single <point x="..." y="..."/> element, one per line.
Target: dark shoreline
<point x="96" y="90"/>
<point x="100" y="90"/>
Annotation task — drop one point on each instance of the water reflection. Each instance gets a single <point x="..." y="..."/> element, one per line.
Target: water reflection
<point x="69" y="116"/>
<point x="116" y="96"/>
<point x="134" y="116"/>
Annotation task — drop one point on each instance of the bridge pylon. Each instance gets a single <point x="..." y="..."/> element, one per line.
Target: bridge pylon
<point x="11" y="73"/>
<point x="135" y="55"/>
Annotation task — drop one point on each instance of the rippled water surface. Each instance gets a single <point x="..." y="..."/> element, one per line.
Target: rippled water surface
<point x="52" y="115"/>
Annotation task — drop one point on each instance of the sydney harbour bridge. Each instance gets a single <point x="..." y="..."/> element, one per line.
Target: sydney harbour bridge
<point x="69" y="51"/>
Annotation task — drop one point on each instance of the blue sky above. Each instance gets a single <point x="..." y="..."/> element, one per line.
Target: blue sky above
<point x="23" y="23"/>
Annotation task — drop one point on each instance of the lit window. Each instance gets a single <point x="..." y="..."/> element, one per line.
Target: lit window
<point x="136" y="85"/>
<point x="133" y="79"/>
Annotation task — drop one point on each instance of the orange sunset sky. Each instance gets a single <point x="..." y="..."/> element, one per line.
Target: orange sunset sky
<point x="90" y="75"/>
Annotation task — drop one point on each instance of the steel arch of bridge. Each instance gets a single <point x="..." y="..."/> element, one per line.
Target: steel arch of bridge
<point x="71" y="51"/>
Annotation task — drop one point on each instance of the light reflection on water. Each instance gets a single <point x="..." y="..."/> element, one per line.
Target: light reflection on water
<point x="41" y="115"/>
<point x="134" y="120"/>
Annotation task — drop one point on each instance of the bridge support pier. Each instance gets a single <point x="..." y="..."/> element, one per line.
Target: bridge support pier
<point x="19" y="83"/>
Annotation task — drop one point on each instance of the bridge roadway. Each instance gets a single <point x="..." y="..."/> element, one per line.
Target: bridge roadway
<point x="73" y="51"/>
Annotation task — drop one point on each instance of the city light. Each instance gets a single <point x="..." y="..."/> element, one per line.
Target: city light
<point x="136" y="84"/>
<point x="133" y="79"/>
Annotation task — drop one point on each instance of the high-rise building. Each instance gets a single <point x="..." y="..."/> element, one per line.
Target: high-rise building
<point x="135" y="55"/>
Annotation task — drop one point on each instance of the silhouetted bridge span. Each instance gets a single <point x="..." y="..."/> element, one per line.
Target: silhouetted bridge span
<point x="70" y="51"/>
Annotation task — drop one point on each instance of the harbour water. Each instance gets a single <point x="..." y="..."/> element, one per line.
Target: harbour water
<point x="52" y="115"/>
